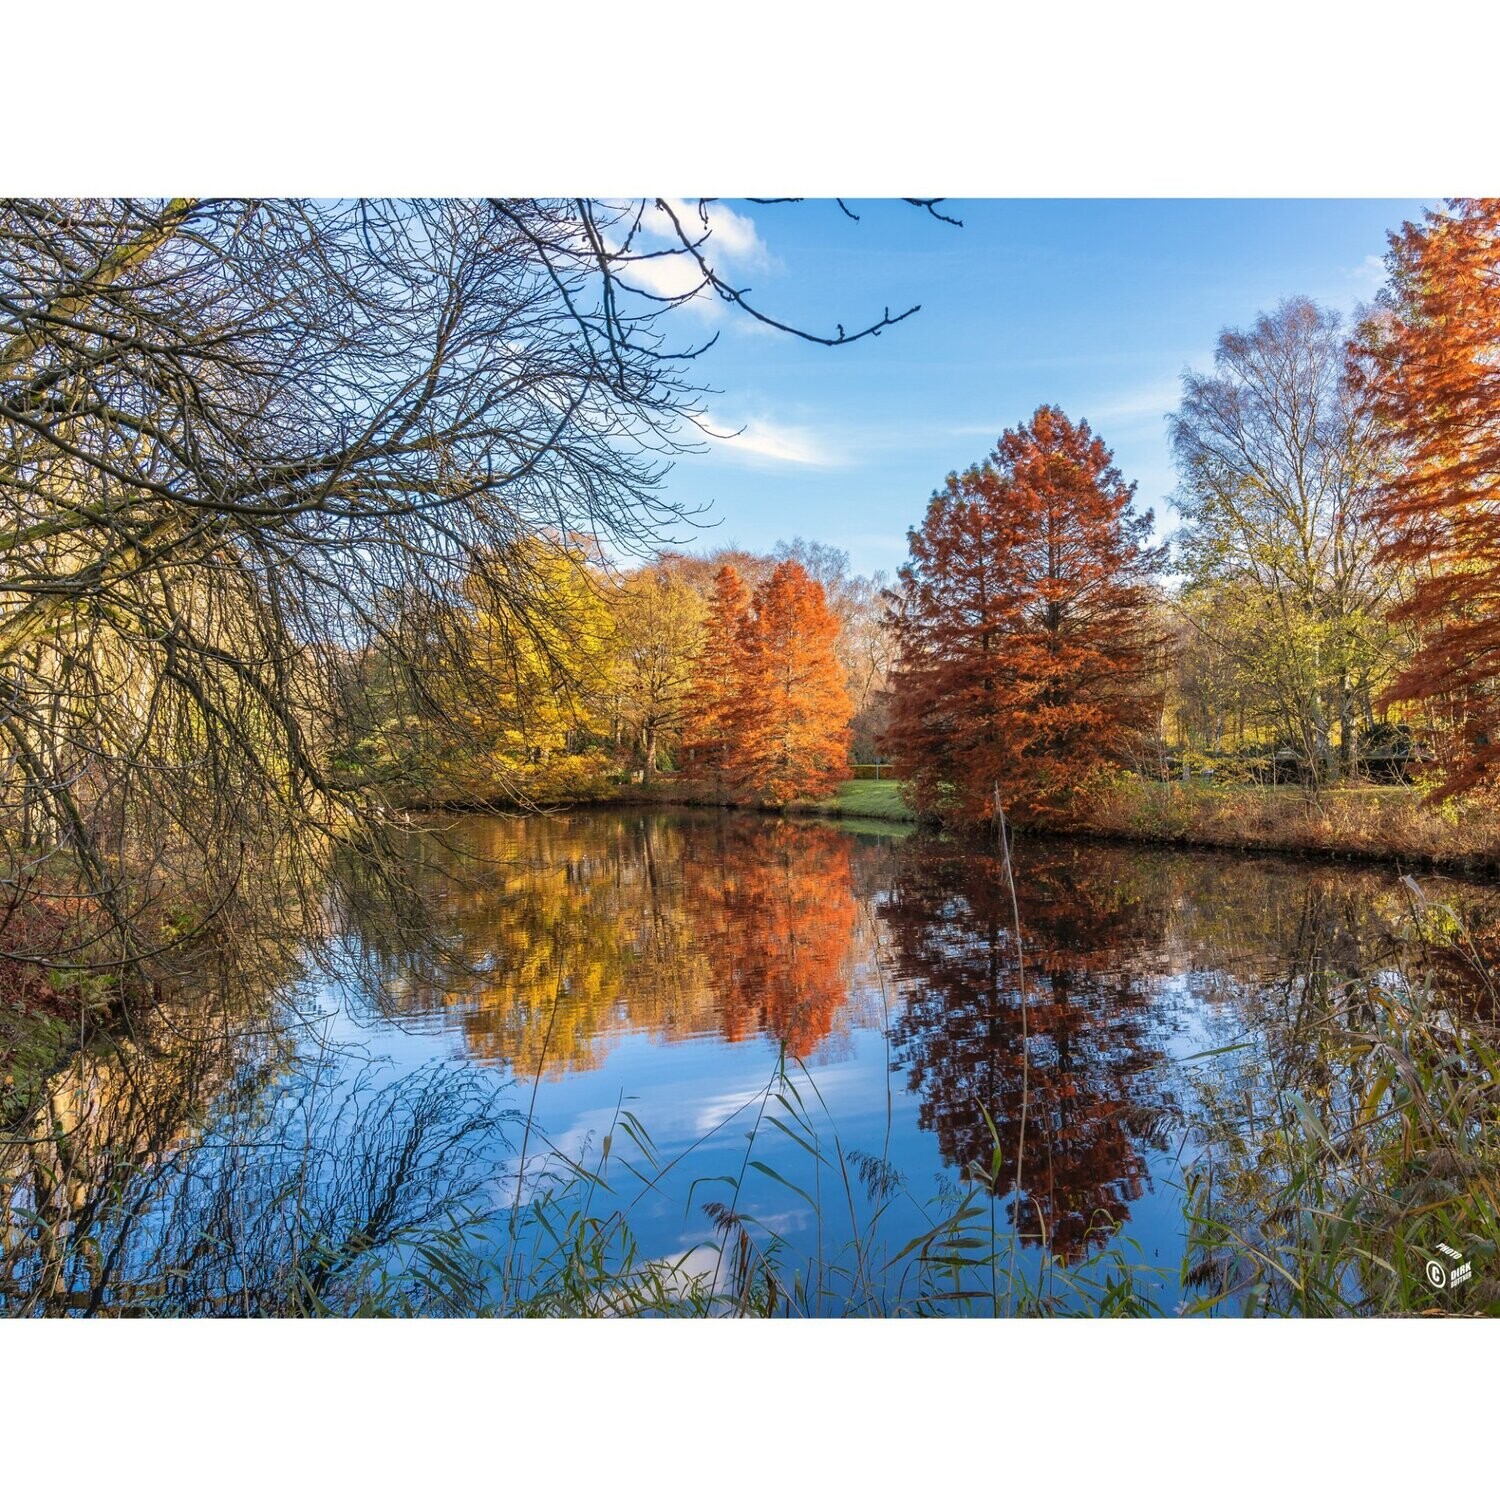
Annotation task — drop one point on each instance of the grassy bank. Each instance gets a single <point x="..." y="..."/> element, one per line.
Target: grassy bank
<point x="1384" y="822"/>
<point x="865" y="799"/>
<point x="876" y="801"/>
<point x="1360" y="822"/>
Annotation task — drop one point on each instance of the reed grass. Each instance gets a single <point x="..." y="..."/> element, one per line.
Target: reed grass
<point x="1322" y="1211"/>
<point x="1386" y="822"/>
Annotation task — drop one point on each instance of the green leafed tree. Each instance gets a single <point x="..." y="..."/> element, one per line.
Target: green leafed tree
<point x="1278" y="465"/>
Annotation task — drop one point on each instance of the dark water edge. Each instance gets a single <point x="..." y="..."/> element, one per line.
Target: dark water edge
<point x="693" y="972"/>
<point x="1477" y="866"/>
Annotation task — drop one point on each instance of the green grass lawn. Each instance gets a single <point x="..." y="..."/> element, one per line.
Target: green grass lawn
<point x="871" y="799"/>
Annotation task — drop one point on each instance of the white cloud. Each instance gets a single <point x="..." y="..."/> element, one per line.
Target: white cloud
<point x="1155" y="399"/>
<point x="718" y="1110"/>
<point x="670" y="276"/>
<point x="1369" y="273"/>
<point x="1132" y="406"/>
<point x="735" y="237"/>
<point x="759" y="439"/>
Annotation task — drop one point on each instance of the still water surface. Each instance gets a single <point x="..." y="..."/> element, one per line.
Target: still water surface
<point x="644" y="979"/>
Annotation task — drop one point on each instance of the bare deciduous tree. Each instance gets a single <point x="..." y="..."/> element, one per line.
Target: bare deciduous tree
<point x="246" y="443"/>
<point x="1278" y="465"/>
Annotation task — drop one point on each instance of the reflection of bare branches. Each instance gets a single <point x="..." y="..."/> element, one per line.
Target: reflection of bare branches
<point x="281" y="1200"/>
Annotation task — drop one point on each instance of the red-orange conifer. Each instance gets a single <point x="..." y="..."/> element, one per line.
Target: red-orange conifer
<point x="791" y="724"/>
<point x="716" y="690"/>
<point x="1023" y="628"/>
<point x="1435" y="383"/>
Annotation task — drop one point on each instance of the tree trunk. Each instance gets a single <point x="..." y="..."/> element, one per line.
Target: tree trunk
<point x="650" y="767"/>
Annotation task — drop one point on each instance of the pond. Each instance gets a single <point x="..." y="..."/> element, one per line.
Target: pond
<point x="755" y="1055"/>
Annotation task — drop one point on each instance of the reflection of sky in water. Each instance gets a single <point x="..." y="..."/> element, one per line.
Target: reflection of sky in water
<point x="1161" y="983"/>
<point x="699" y="1099"/>
<point x="1170" y="967"/>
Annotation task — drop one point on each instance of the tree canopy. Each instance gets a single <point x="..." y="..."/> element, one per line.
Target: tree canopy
<point x="1023" y="628"/>
<point x="1434" y="384"/>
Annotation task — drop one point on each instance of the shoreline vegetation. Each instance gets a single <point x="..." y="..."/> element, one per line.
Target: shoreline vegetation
<point x="1380" y="824"/>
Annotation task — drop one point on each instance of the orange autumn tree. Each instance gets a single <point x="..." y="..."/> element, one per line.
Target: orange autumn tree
<point x="790" y="724"/>
<point x="1434" y="381"/>
<point x="1023" y="629"/>
<point x="715" y="690"/>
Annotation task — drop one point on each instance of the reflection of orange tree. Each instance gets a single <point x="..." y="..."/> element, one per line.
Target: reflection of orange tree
<point x="572" y="930"/>
<point x="966" y="1044"/>
<point x="776" y="905"/>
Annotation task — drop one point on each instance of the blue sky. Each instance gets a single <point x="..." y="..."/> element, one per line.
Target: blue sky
<point x="1095" y="305"/>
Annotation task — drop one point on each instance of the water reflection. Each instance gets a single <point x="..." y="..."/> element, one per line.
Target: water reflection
<point x="1068" y="1081"/>
<point x="777" y="919"/>
<point x="251" y="1153"/>
<point x="210" y="1169"/>
<point x="568" y="933"/>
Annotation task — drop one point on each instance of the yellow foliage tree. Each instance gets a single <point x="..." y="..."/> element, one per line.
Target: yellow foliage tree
<point x="546" y="667"/>
<point x="658" y="620"/>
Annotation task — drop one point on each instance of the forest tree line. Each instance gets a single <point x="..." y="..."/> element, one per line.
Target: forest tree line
<point x="760" y="674"/>
<point x="1325" y="609"/>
